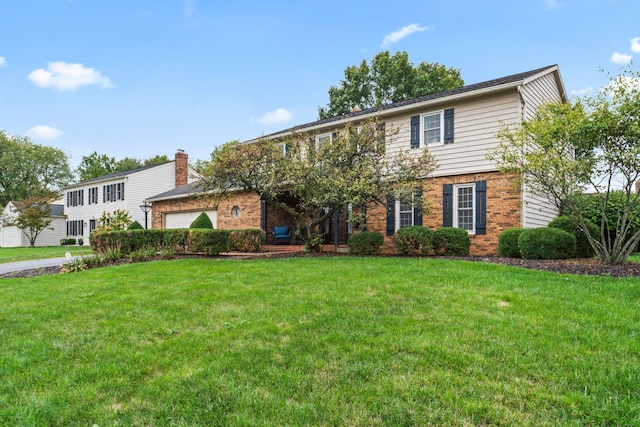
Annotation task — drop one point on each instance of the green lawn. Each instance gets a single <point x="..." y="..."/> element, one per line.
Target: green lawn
<point x="334" y="341"/>
<point x="40" y="252"/>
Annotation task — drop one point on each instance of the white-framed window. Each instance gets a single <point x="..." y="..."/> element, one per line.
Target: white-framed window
<point x="432" y="129"/>
<point x="323" y="139"/>
<point x="75" y="228"/>
<point x="464" y="202"/>
<point x="93" y="195"/>
<point x="404" y="214"/>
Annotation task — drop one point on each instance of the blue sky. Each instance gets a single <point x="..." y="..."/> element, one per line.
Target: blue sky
<point x="138" y="78"/>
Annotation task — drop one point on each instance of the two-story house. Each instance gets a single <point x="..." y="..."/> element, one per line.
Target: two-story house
<point x="86" y="201"/>
<point x="459" y="128"/>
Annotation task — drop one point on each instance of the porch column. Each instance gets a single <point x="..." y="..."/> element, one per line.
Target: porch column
<point x="263" y="214"/>
<point x="336" y="228"/>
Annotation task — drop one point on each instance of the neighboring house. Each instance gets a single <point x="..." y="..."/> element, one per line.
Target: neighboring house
<point x="85" y="202"/>
<point x="459" y="128"/>
<point x="11" y="236"/>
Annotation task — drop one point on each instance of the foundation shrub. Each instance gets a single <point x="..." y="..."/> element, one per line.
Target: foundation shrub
<point x="547" y="243"/>
<point x="135" y="225"/>
<point x="508" y="243"/>
<point x="247" y="240"/>
<point x="202" y="221"/>
<point x="365" y="243"/>
<point x="571" y="225"/>
<point x="210" y="242"/>
<point x="415" y="240"/>
<point x="449" y="241"/>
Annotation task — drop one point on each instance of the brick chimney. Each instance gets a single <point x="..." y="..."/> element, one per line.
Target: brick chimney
<point x="182" y="168"/>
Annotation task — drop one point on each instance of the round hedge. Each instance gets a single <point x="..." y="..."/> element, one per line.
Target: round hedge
<point x="414" y="240"/>
<point x="451" y="241"/>
<point x="547" y="243"/>
<point x="365" y="243"/>
<point x="508" y="243"/>
<point x="572" y="225"/>
<point x="135" y="225"/>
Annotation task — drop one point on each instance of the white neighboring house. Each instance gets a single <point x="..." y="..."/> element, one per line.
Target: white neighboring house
<point x="11" y="236"/>
<point x="85" y="202"/>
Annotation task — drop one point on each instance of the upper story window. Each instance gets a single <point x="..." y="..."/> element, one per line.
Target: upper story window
<point x="93" y="196"/>
<point x="75" y="198"/>
<point x="323" y="139"/>
<point x="432" y="129"/>
<point x="113" y="192"/>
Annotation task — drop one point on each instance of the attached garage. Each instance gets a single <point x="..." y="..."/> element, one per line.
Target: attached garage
<point x="184" y="219"/>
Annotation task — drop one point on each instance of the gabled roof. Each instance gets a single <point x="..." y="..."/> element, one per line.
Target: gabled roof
<point x="56" y="209"/>
<point x="116" y="175"/>
<point x="468" y="89"/>
<point x="178" y="192"/>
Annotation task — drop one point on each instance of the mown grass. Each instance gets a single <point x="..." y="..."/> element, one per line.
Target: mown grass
<point x="40" y="252"/>
<point x="321" y="341"/>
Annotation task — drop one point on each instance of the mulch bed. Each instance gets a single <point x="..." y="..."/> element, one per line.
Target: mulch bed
<point x="583" y="266"/>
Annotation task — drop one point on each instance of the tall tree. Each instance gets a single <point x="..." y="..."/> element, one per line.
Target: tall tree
<point x="388" y="79"/>
<point x="312" y="180"/>
<point x="95" y="165"/>
<point x="590" y="145"/>
<point x="28" y="169"/>
<point x="156" y="160"/>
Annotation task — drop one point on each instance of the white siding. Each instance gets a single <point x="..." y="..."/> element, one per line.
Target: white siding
<point x="11" y="236"/>
<point x="138" y="186"/>
<point x="537" y="210"/>
<point x="476" y="122"/>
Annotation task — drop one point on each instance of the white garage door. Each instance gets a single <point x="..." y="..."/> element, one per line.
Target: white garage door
<point x="184" y="219"/>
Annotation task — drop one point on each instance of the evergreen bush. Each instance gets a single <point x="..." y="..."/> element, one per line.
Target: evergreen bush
<point x="451" y="241"/>
<point x="571" y="225"/>
<point x="202" y="221"/>
<point x="247" y="240"/>
<point x="508" y="243"/>
<point x="365" y="243"/>
<point x="414" y="240"/>
<point x="135" y="225"/>
<point x="547" y="243"/>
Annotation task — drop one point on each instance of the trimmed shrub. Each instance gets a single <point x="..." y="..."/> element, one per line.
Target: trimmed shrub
<point x="70" y="241"/>
<point x="546" y="243"/>
<point x="571" y="225"/>
<point x="247" y="240"/>
<point x="202" y="221"/>
<point x="211" y="242"/>
<point x="451" y="241"/>
<point x="508" y="243"/>
<point x="415" y="240"/>
<point x="135" y="225"/>
<point x="365" y="243"/>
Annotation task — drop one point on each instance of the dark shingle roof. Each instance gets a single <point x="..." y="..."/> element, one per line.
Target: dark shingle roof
<point x="56" y="210"/>
<point x="115" y="175"/>
<point x="184" y="190"/>
<point x="464" y="89"/>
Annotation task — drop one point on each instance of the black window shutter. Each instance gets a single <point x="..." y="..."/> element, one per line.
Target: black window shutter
<point x="123" y="191"/>
<point x="481" y="207"/>
<point x="104" y="193"/>
<point x="334" y="135"/>
<point x="415" y="132"/>
<point x="363" y="226"/>
<point x="391" y="216"/>
<point x="448" y="126"/>
<point x="417" y="209"/>
<point x="447" y="205"/>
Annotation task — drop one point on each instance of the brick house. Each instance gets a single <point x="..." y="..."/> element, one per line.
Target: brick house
<point x="458" y="127"/>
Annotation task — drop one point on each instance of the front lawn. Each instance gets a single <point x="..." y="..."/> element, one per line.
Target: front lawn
<point x="321" y="341"/>
<point x="40" y="252"/>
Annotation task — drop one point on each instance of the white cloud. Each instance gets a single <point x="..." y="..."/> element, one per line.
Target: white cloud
<point x="623" y="82"/>
<point x="3" y="61"/>
<point x="635" y="45"/>
<point x="582" y="92"/>
<point x="403" y="32"/>
<point x="273" y="117"/>
<point x="44" y="132"/>
<point x="63" y="76"/>
<point x="621" y="58"/>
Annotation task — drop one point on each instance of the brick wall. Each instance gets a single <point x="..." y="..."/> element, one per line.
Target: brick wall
<point x="503" y="209"/>
<point x="182" y="168"/>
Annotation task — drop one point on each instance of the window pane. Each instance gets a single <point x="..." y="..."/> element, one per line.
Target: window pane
<point x="465" y="208"/>
<point x="406" y="219"/>
<point x="431" y="127"/>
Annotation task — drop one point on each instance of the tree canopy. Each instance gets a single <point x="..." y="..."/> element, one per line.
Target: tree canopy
<point x="388" y="79"/>
<point x="33" y="216"/>
<point x="311" y="179"/>
<point x="589" y="145"/>
<point x="28" y="169"/>
<point x="95" y="165"/>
